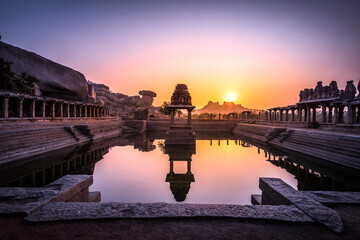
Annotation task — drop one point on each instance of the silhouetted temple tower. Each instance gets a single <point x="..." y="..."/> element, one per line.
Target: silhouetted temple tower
<point x="180" y="133"/>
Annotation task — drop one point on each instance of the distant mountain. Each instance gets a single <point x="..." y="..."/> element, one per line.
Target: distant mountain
<point x="226" y="107"/>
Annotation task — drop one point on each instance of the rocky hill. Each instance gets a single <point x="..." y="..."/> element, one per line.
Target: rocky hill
<point x="226" y="107"/>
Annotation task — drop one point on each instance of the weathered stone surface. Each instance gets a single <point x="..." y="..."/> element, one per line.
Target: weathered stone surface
<point x="329" y="197"/>
<point x="24" y="200"/>
<point x="56" y="80"/>
<point x="256" y="199"/>
<point x="70" y="185"/>
<point x="94" y="196"/>
<point x="110" y="210"/>
<point x="276" y="191"/>
<point x="28" y="200"/>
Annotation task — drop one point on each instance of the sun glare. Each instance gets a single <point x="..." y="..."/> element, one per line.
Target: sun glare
<point x="230" y="97"/>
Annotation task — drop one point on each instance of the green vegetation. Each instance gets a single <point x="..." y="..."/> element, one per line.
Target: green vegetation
<point x="165" y="111"/>
<point x="24" y="84"/>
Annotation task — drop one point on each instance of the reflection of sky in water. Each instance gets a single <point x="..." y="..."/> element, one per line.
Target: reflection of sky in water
<point x="223" y="174"/>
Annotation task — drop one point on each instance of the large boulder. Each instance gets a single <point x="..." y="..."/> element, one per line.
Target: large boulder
<point x="56" y="80"/>
<point x="147" y="97"/>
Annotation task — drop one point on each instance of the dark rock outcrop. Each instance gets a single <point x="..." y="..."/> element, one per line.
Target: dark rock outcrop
<point x="56" y="80"/>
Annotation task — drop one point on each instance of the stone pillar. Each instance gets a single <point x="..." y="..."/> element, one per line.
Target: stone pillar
<point x="32" y="108"/>
<point x="287" y="115"/>
<point x="275" y="115"/>
<point x="61" y="110"/>
<point x="43" y="109"/>
<point x="74" y="111"/>
<point x="52" y="110"/>
<point x="189" y="117"/>
<point x="5" y="107"/>
<point x="314" y="114"/>
<point x="336" y="115"/>
<point x="219" y="116"/>
<point x="85" y="111"/>
<point x="20" y="108"/>
<point x="299" y="114"/>
<point x="293" y="114"/>
<point x="68" y="110"/>
<point x="97" y="111"/>
<point x="341" y="114"/>
<point x="306" y="113"/>
<point x="281" y="115"/>
<point x="266" y="116"/>
<point x="80" y="111"/>
<point x="330" y="120"/>
<point x="350" y="116"/>
<point x="172" y="116"/>
<point x="308" y="110"/>
<point x="323" y="113"/>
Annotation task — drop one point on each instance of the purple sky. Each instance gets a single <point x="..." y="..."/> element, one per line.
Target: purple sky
<point x="263" y="51"/>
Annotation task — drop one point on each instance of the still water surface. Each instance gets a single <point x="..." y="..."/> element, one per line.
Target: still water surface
<point x="221" y="171"/>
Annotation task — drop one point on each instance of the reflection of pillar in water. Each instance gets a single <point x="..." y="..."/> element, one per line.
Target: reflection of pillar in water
<point x="219" y="142"/>
<point x="227" y="141"/>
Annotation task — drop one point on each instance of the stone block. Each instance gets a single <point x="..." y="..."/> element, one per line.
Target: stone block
<point x="256" y="199"/>
<point x="94" y="196"/>
<point x="277" y="191"/>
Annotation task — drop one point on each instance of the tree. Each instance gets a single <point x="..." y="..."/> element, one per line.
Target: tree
<point x="164" y="109"/>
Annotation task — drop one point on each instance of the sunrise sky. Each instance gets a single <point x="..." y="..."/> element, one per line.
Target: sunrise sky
<point x="264" y="52"/>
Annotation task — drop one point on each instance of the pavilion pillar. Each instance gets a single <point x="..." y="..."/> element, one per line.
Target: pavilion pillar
<point x="287" y="115"/>
<point x="85" y="111"/>
<point x="323" y="113"/>
<point x="219" y="116"/>
<point x="266" y="116"/>
<point x="20" y="108"/>
<point x="74" y="111"/>
<point x="32" y="108"/>
<point x="293" y="114"/>
<point x="172" y="116"/>
<point x="299" y="114"/>
<point x="189" y="117"/>
<point x="171" y="166"/>
<point x="188" y="166"/>
<point x="97" y="111"/>
<point x="281" y="115"/>
<point x="314" y="114"/>
<point x="330" y="115"/>
<point x="5" y="107"/>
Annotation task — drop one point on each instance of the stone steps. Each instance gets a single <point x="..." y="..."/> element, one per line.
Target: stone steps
<point x="319" y="153"/>
<point x="330" y="143"/>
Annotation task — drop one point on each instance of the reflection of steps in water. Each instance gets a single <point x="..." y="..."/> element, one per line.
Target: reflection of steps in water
<point x="307" y="178"/>
<point x="311" y="174"/>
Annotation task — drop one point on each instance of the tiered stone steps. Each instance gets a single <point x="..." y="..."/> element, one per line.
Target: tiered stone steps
<point x="343" y="149"/>
<point x="24" y="140"/>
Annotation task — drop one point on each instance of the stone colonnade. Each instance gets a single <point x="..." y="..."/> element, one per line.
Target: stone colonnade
<point x="332" y="112"/>
<point x="15" y="105"/>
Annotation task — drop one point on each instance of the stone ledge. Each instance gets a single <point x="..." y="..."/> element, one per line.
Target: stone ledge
<point x="329" y="197"/>
<point x="24" y="201"/>
<point x="275" y="191"/>
<point x="80" y="211"/>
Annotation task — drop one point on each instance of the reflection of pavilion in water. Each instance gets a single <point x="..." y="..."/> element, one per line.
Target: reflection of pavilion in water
<point x="180" y="182"/>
